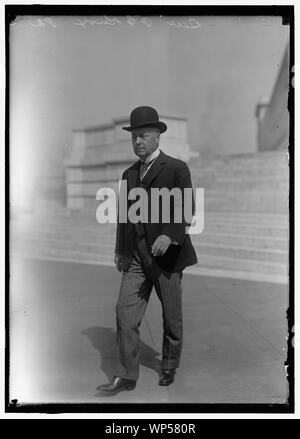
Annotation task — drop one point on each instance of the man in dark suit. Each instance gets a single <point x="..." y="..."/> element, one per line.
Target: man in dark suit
<point x="151" y="253"/>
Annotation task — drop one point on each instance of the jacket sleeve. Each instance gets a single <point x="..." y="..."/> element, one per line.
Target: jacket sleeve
<point x="120" y="231"/>
<point x="175" y="230"/>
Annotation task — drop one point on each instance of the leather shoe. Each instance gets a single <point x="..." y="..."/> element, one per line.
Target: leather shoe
<point x="167" y="377"/>
<point x="117" y="385"/>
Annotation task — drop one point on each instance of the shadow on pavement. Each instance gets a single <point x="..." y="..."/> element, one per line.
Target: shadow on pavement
<point x="105" y="341"/>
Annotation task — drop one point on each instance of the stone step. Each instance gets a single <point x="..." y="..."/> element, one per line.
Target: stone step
<point x="244" y="204"/>
<point x="258" y="175"/>
<point x="213" y="262"/>
<point x="242" y="185"/>
<point x="248" y="241"/>
<point x="221" y="173"/>
<point x="246" y="163"/>
<point x="237" y="175"/>
<point x="248" y="229"/>
<point x="42" y="207"/>
<point x="251" y="253"/>
<point x="275" y="239"/>
<point x="218" y="218"/>
<point x="247" y="207"/>
<point x="88" y="188"/>
<point x="252" y="201"/>
<point x="88" y="220"/>
<point x="238" y="188"/>
<point x="248" y="217"/>
<point x="236" y="217"/>
<point x="253" y="194"/>
<point x="256" y="203"/>
<point x="115" y="153"/>
<point x="250" y="166"/>
<point x="240" y="174"/>
<point x="103" y="235"/>
<point x="231" y="226"/>
<point x="259" y="157"/>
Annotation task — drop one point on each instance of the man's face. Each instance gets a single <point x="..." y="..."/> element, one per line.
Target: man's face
<point x="145" y="141"/>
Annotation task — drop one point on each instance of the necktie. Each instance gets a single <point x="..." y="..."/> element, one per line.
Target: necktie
<point x="144" y="167"/>
<point x="139" y="227"/>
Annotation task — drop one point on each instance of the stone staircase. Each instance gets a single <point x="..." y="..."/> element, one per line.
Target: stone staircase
<point x="246" y="222"/>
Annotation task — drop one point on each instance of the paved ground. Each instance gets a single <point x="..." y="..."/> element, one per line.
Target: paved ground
<point x="63" y="338"/>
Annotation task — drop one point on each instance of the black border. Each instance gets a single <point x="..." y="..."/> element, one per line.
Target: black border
<point x="287" y="14"/>
<point x="204" y="427"/>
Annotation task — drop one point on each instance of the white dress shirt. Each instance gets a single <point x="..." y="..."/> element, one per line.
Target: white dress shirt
<point x="150" y="157"/>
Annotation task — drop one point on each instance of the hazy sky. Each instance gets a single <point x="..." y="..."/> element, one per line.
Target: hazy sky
<point x="66" y="76"/>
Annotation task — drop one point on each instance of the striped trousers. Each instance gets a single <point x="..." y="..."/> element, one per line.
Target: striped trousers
<point x="136" y="286"/>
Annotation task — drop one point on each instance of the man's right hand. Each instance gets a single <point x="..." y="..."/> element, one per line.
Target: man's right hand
<point x="122" y="262"/>
<point x="117" y="261"/>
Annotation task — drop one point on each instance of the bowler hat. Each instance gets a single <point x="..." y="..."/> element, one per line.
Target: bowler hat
<point x="142" y="117"/>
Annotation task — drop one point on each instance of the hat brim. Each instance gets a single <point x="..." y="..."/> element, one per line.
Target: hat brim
<point x="160" y="125"/>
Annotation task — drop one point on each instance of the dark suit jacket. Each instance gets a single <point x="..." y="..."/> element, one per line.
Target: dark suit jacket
<point x="165" y="172"/>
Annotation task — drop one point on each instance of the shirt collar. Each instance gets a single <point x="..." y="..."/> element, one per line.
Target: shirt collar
<point x="152" y="156"/>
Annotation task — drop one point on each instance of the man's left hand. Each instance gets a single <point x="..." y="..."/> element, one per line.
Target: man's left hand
<point x="161" y="245"/>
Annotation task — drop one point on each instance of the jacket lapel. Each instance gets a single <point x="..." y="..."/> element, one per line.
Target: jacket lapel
<point x="133" y="175"/>
<point x="153" y="172"/>
<point x="155" y="169"/>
